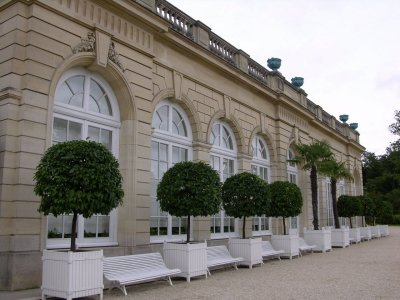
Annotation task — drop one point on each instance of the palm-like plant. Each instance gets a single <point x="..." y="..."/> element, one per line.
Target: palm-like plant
<point x="336" y="171"/>
<point x="310" y="157"/>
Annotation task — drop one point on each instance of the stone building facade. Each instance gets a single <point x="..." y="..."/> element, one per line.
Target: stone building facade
<point x="156" y="87"/>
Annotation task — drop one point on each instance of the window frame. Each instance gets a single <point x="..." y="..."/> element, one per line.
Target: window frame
<point x="171" y="140"/>
<point x="223" y="153"/>
<point x="88" y="118"/>
<point x="260" y="162"/>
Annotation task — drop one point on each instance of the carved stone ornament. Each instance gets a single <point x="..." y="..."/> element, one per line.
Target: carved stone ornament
<point x="86" y="44"/>
<point x="114" y="56"/>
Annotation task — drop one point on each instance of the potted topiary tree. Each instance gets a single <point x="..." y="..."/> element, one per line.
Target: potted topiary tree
<point x="78" y="178"/>
<point x="189" y="189"/>
<point x="367" y="211"/>
<point x="286" y="201"/>
<point x="245" y="195"/>
<point x="348" y="207"/>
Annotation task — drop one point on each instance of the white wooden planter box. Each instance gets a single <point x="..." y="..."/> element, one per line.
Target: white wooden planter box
<point x="69" y="275"/>
<point x="249" y="249"/>
<point x="288" y="243"/>
<point x="355" y="235"/>
<point x="384" y="229"/>
<point x="340" y="237"/>
<point x="191" y="258"/>
<point x="365" y="233"/>
<point x="375" y="232"/>
<point x="322" y="239"/>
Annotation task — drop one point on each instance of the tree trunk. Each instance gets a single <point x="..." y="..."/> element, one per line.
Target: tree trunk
<point x="314" y="196"/>
<point x="73" y="232"/>
<point x="284" y="225"/>
<point x="188" y="230"/>
<point x="244" y="227"/>
<point x="351" y="224"/>
<point x="334" y="203"/>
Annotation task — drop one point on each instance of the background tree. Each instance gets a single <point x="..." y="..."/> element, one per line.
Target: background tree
<point x="381" y="174"/>
<point x="310" y="157"/>
<point x="336" y="171"/>
<point x="245" y="195"/>
<point x="286" y="201"/>
<point x="367" y="208"/>
<point x="348" y="207"/>
<point x="79" y="178"/>
<point x="190" y="189"/>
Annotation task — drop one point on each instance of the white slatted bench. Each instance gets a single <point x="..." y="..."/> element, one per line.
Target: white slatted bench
<point x="219" y="256"/>
<point x="304" y="247"/>
<point x="119" y="271"/>
<point x="268" y="251"/>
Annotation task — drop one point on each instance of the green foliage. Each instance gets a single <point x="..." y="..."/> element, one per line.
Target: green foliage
<point x="349" y="206"/>
<point x="310" y="157"/>
<point x="334" y="169"/>
<point x="245" y="195"/>
<point x="385" y="213"/>
<point x="286" y="200"/>
<point x="78" y="177"/>
<point x="190" y="189"/>
<point x="367" y="206"/>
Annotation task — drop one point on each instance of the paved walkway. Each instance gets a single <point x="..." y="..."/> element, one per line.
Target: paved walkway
<point x="370" y="270"/>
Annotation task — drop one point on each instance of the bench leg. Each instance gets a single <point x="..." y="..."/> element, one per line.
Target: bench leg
<point x="208" y="272"/>
<point x="169" y="279"/>
<point x="235" y="265"/>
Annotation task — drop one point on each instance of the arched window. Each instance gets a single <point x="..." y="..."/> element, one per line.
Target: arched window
<point x="171" y="143"/>
<point x="292" y="177"/>
<point x="84" y="108"/>
<point x="223" y="160"/>
<point x="260" y="165"/>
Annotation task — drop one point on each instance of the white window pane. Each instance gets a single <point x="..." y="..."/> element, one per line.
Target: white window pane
<point x="55" y="226"/>
<point x="227" y="139"/>
<point x="71" y="91"/>
<point x="94" y="133"/>
<point x="103" y="226"/>
<point x="106" y="138"/>
<point x="163" y="167"/>
<point x="90" y="227"/>
<point x="163" y="152"/>
<point x="67" y="225"/>
<point x="74" y="131"/>
<point x="59" y="130"/>
<point x="154" y="150"/>
<point x="263" y="151"/>
<point x="98" y="100"/>
<point x="254" y="169"/>
<point x="161" y="118"/>
<point x="178" y="124"/>
<point x="215" y="135"/>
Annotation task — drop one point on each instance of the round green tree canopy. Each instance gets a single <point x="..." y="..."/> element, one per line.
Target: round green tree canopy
<point x="190" y="189"/>
<point x="245" y="195"/>
<point x="349" y="206"/>
<point x="78" y="177"/>
<point x="286" y="199"/>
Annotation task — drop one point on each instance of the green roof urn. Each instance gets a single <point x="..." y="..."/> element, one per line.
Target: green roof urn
<point x="274" y="63"/>
<point x="344" y="118"/>
<point x="298" y="81"/>
<point x="354" y="126"/>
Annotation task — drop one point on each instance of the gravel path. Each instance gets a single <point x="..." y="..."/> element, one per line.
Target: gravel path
<point x="370" y="270"/>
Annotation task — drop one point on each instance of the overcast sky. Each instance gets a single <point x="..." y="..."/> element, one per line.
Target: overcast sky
<point x="348" y="51"/>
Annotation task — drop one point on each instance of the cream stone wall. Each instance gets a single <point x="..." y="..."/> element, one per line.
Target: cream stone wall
<point x="39" y="41"/>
